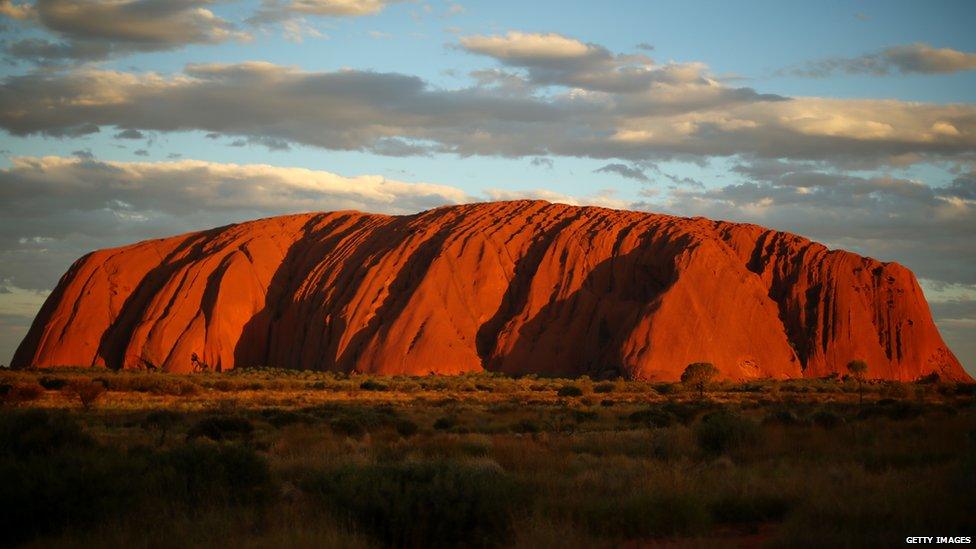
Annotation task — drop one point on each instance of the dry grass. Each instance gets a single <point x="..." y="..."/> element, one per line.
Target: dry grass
<point x="765" y="463"/>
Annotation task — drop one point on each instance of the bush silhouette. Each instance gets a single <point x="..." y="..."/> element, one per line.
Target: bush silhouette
<point x="373" y="385"/>
<point x="526" y="426"/>
<point x="206" y="474"/>
<point x="348" y="426"/>
<point x="221" y="428"/>
<point x="569" y="391"/>
<point x="38" y="432"/>
<point x="428" y="504"/>
<point x="652" y="417"/>
<point x="52" y="383"/>
<point x="57" y="478"/>
<point x="721" y="432"/>
<point x="406" y="428"/>
<point x="445" y="423"/>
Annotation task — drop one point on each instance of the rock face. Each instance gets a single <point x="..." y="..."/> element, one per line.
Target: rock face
<point x="517" y="287"/>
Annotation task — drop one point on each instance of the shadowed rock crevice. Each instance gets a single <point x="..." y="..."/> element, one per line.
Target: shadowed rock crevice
<point x="115" y="340"/>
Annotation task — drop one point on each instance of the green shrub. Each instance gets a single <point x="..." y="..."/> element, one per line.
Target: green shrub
<point x="61" y="480"/>
<point x="582" y="416"/>
<point x="221" y="428"/>
<point x="687" y="412"/>
<point x="207" y="474"/>
<point x="743" y="508"/>
<point x="348" y="425"/>
<point x="783" y="417"/>
<point x="667" y="388"/>
<point x="162" y="421"/>
<point x="652" y="417"/>
<point x="283" y="418"/>
<point x="52" y="383"/>
<point x="406" y="428"/>
<point x="891" y="409"/>
<point x="698" y="375"/>
<point x="827" y="419"/>
<point x="644" y="515"/>
<point x="373" y="385"/>
<point x="444" y="423"/>
<point x="526" y="426"/>
<point x="153" y="383"/>
<point x="19" y="393"/>
<point x="38" y="432"/>
<point x="62" y="487"/>
<point x="569" y="391"/>
<point x="439" y="504"/>
<point x="721" y="432"/>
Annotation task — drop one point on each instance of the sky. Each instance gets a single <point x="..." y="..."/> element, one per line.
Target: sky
<point x="850" y="123"/>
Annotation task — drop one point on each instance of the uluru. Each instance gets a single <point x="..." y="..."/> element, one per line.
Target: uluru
<point x="516" y="287"/>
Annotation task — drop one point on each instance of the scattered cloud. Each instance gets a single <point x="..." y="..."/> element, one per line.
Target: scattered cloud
<point x="531" y="48"/>
<point x="542" y="162"/>
<point x="605" y="198"/>
<point x="91" y="30"/>
<point x="298" y="29"/>
<point x="916" y="58"/>
<point x="645" y="46"/>
<point x="273" y="11"/>
<point x="630" y="172"/>
<point x="130" y="134"/>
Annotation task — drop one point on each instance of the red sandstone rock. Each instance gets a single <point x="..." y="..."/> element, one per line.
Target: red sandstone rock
<point x="518" y="287"/>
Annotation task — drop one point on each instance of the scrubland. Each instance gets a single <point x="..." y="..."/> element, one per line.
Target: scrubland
<point x="278" y="458"/>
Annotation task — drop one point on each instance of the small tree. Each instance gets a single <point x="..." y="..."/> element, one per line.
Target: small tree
<point x="85" y="390"/>
<point x="857" y="369"/>
<point x="698" y="375"/>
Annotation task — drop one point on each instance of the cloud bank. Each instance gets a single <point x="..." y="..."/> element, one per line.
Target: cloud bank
<point x="677" y="112"/>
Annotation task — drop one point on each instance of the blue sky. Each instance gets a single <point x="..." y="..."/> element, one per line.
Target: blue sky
<point x="768" y="112"/>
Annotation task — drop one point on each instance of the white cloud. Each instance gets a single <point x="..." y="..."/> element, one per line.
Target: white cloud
<point x="273" y="11"/>
<point x="605" y="198"/>
<point x="529" y="47"/>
